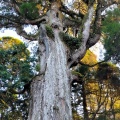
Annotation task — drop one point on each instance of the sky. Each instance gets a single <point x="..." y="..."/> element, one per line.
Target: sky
<point x="10" y="33"/>
<point x="98" y="50"/>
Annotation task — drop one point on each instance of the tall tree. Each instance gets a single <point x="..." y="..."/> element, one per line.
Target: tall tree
<point x="59" y="50"/>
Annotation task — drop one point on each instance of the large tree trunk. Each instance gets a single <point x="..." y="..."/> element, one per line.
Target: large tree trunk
<point x="50" y="92"/>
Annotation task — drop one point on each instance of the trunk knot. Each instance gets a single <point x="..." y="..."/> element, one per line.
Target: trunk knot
<point x="56" y="25"/>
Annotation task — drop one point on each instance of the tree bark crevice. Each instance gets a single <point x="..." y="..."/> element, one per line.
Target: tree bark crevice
<point x="51" y="92"/>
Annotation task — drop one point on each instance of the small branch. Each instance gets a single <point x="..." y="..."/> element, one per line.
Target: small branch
<point x="87" y="65"/>
<point x="15" y="6"/>
<point x="36" y="21"/>
<point x="75" y="23"/>
<point x="91" y="65"/>
<point x="100" y="103"/>
<point x="71" y="13"/>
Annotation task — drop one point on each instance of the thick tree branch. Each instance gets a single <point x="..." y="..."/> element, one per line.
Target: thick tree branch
<point x="96" y="34"/>
<point x="44" y="48"/>
<point x="91" y="65"/>
<point x="22" y="33"/>
<point x="77" y="55"/>
<point x="18" y="20"/>
<point x="15" y="23"/>
<point x="36" y="21"/>
<point x="7" y="25"/>
<point x="17" y="17"/>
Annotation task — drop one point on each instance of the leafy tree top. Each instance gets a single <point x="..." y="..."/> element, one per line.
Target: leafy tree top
<point x="14" y="62"/>
<point x="111" y="28"/>
<point x="15" y="73"/>
<point x="8" y="42"/>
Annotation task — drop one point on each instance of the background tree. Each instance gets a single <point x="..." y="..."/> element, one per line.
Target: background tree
<point x="112" y="48"/>
<point x="15" y="75"/>
<point x="96" y="93"/>
<point x="59" y="50"/>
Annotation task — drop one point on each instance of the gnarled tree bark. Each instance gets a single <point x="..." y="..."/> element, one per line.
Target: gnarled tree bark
<point x="50" y="92"/>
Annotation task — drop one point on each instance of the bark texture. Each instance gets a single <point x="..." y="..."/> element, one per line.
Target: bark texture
<point x="50" y="92"/>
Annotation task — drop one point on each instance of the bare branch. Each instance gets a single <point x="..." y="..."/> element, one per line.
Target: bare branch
<point x="95" y="35"/>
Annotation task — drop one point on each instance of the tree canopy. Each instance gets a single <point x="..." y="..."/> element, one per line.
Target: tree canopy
<point x="111" y="33"/>
<point x="15" y="73"/>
